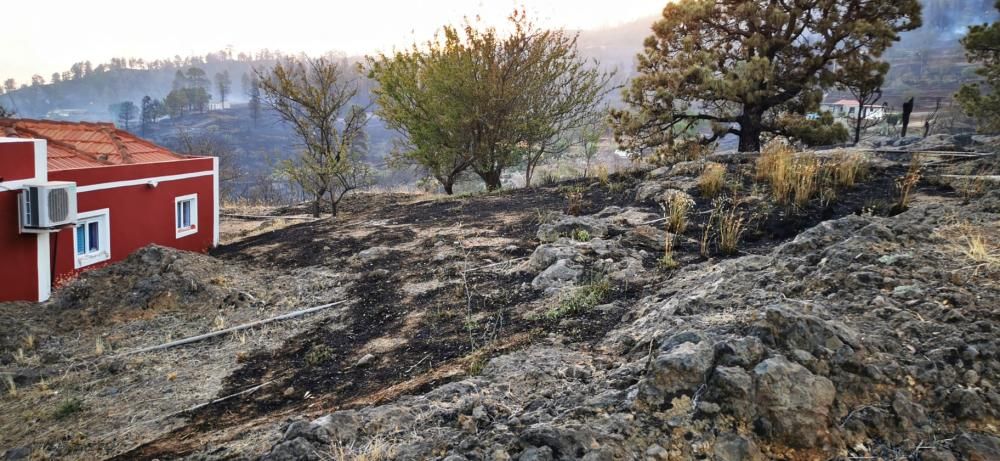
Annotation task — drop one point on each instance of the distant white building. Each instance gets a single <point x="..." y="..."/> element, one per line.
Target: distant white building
<point x="847" y="108"/>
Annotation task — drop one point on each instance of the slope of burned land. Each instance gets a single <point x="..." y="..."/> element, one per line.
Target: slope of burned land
<point x="437" y="290"/>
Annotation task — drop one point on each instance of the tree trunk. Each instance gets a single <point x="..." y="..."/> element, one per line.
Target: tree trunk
<point x="492" y="180"/>
<point x="449" y="187"/>
<point x="750" y="131"/>
<point x="316" y="206"/>
<point x="857" y="127"/>
<point x="529" y="171"/>
<point x="907" y="110"/>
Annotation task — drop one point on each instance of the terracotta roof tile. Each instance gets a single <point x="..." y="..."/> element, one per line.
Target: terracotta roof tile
<point x="87" y="145"/>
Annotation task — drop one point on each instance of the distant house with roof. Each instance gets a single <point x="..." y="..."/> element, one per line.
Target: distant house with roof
<point x="75" y="196"/>
<point x="848" y="108"/>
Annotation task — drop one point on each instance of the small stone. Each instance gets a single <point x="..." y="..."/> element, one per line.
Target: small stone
<point x="365" y="361"/>
<point x="907" y="292"/>
<point x="656" y="452"/>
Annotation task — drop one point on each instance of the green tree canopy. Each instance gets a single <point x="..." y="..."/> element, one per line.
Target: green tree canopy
<point x="982" y="45"/>
<point x="749" y="67"/>
<point x="474" y="99"/>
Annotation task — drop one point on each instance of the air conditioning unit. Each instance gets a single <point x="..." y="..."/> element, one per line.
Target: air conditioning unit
<point x="47" y="207"/>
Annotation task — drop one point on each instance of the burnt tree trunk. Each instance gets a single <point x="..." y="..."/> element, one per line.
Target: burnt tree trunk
<point x="907" y="110"/>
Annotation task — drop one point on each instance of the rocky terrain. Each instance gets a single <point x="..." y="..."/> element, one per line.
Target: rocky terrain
<point x="545" y="323"/>
<point x="863" y="338"/>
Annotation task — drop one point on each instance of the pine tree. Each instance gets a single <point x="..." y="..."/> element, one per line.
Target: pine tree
<point x="748" y="68"/>
<point x="982" y="46"/>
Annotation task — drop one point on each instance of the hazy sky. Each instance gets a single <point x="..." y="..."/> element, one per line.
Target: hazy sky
<point x="49" y="36"/>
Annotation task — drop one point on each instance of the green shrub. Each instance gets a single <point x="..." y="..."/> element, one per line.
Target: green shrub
<point x="318" y="355"/>
<point x="68" y="408"/>
<point x="582" y="299"/>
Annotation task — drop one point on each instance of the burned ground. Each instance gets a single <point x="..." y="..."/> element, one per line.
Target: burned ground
<point x="435" y="287"/>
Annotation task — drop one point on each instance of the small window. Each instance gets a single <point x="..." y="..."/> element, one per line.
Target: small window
<point x="92" y="238"/>
<point x="186" y="215"/>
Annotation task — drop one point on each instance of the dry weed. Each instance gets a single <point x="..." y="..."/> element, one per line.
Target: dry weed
<point x="678" y="207"/>
<point x="668" y="261"/>
<point x="601" y="172"/>
<point x="376" y="449"/>
<point x="732" y="224"/>
<point x="906" y="183"/>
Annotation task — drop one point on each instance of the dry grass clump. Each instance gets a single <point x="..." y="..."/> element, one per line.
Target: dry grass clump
<point x="974" y="242"/>
<point x="678" y="207"/>
<point x="793" y="178"/>
<point x="775" y="167"/>
<point x="712" y="179"/>
<point x="805" y="179"/>
<point x="574" y="201"/>
<point x="848" y="168"/>
<point x="798" y="178"/>
<point x="376" y="449"/>
<point x="725" y="226"/>
<point x="11" y="386"/>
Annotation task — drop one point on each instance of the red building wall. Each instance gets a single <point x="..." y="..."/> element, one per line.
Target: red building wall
<point x="17" y="160"/>
<point x="139" y="215"/>
<point x="18" y="252"/>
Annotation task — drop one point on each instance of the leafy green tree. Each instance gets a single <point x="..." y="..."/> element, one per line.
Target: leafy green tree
<point x="422" y="94"/>
<point x="311" y="95"/>
<point x="982" y="46"/>
<point x="486" y="102"/>
<point x="748" y="67"/>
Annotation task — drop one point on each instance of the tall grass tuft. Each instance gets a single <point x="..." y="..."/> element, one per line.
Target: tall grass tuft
<point x="732" y="223"/>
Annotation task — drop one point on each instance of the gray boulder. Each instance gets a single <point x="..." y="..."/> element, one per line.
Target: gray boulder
<point x="558" y="275"/>
<point x="794" y="403"/>
<point x="681" y="369"/>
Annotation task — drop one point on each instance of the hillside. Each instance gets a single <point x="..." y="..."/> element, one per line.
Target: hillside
<point x="541" y="323"/>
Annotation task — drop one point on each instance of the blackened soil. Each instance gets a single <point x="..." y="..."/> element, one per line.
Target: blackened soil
<point x="467" y="312"/>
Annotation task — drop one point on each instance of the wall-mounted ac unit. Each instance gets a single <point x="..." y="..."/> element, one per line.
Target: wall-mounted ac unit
<point x="47" y="207"/>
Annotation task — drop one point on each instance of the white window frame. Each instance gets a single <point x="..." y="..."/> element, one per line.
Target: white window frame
<point x="103" y="253"/>
<point x="193" y="228"/>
